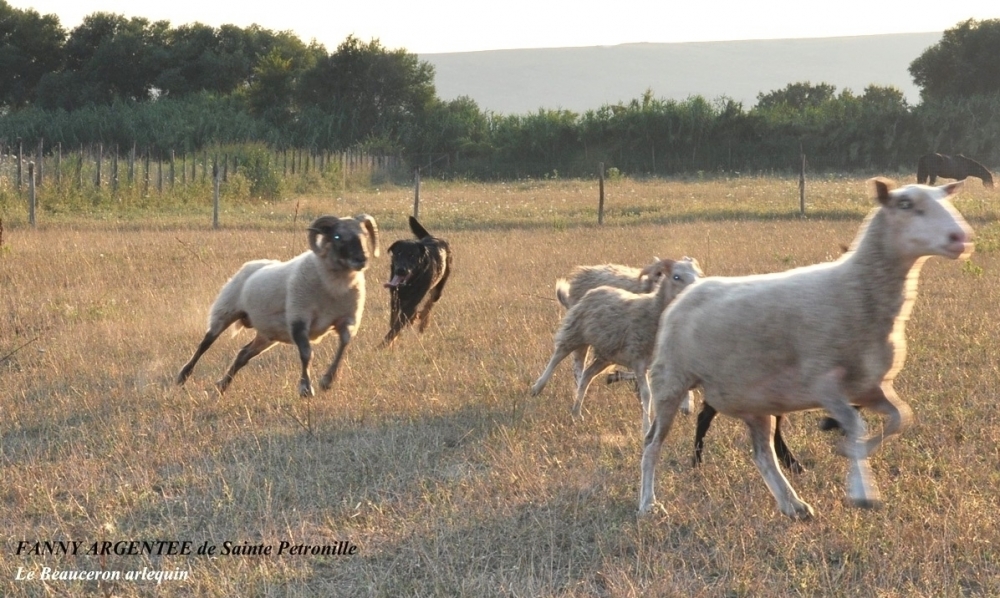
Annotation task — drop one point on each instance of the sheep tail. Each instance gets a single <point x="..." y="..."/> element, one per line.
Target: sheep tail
<point x="562" y="292"/>
<point x="227" y="306"/>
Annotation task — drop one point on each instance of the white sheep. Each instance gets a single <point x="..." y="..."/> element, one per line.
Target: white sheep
<point x="620" y="327"/>
<point x="826" y="336"/>
<point x="585" y="278"/>
<point x="297" y="301"/>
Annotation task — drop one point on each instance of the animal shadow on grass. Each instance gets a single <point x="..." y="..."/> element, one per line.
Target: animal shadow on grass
<point x="420" y="268"/>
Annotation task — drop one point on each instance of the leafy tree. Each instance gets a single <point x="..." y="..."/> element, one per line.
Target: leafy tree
<point x="796" y="96"/>
<point x="270" y="93"/>
<point x="107" y="57"/>
<point x="373" y="91"/>
<point x="30" y="46"/>
<point x="457" y="128"/>
<point x="965" y="62"/>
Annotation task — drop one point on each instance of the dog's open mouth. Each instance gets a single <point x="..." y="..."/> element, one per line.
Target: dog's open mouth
<point x="398" y="280"/>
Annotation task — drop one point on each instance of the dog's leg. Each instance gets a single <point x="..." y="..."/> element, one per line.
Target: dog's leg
<point x="396" y="321"/>
<point x="435" y="294"/>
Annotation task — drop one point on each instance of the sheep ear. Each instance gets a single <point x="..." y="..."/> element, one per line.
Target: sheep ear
<point x="317" y="228"/>
<point x="648" y="270"/>
<point x="952" y="188"/>
<point x="882" y="188"/>
<point x="369" y="223"/>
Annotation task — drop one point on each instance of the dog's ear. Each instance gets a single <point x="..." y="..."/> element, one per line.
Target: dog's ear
<point x="392" y="248"/>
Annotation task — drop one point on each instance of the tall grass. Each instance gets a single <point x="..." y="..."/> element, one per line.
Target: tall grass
<point x="432" y="457"/>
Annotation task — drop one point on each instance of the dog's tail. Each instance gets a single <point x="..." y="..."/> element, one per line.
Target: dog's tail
<point x="419" y="231"/>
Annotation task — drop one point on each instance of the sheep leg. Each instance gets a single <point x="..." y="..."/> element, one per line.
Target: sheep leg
<point x="579" y="362"/>
<point x="762" y="434"/>
<point x="861" y="488"/>
<point x="559" y="354"/>
<point x="593" y="370"/>
<point x="252" y="349"/>
<point x="708" y="413"/>
<point x="189" y="366"/>
<point x="705" y="417"/>
<point x="344" y="330"/>
<point x="687" y="405"/>
<point x="668" y="390"/>
<point x="300" y="336"/>
<point x="885" y="401"/>
<point x="214" y="330"/>
<point x="785" y="455"/>
<point x="642" y="382"/>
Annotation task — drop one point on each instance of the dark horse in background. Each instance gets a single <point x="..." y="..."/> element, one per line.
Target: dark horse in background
<point x="932" y="166"/>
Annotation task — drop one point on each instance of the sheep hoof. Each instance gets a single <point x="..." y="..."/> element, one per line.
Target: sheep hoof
<point x="326" y="382"/>
<point x="221" y="386"/>
<point x="182" y="378"/>
<point x="305" y="389"/>
<point x="801" y="512"/>
<point x="867" y="503"/>
<point x="649" y="509"/>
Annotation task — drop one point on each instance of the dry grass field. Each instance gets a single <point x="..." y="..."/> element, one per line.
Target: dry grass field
<point x="431" y="458"/>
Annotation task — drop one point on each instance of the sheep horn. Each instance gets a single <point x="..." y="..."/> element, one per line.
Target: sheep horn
<point x="320" y="226"/>
<point x="369" y="223"/>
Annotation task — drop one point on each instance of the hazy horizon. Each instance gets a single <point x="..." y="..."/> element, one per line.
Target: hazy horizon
<point x="519" y="81"/>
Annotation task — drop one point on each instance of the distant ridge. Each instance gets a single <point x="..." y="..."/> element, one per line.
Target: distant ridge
<point x="581" y="79"/>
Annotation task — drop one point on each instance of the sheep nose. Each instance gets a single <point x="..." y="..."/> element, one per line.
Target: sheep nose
<point x="958" y="237"/>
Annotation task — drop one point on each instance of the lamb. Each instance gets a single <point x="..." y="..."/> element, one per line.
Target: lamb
<point x="620" y="326"/>
<point x="584" y="278"/>
<point x="297" y="301"/>
<point x="826" y="336"/>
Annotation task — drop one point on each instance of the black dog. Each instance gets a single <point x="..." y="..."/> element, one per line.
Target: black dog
<point x="418" y="267"/>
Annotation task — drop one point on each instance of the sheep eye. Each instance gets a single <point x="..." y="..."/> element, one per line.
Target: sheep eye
<point x="336" y="237"/>
<point x="677" y="277"/>
<point x="904" y="203"/>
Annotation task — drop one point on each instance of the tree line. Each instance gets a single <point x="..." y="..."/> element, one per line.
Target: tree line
<point x="131" y="82"/>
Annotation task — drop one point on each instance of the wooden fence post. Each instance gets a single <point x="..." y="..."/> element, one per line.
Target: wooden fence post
<point x="416" y="193"/>
<point x="79" y="168"/>
<point x="100" y="159"/>
<point x="600" y="204"/>
<point x="20" y="160"/>
<point x="59" y="164"/>
<point x="41" y="144"/>
<point x="31" y="193"/>
<point x="802" y="182"/>
<point x="215" y="195"/>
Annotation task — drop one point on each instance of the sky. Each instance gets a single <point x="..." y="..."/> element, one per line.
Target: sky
<point x="438" y="26"/>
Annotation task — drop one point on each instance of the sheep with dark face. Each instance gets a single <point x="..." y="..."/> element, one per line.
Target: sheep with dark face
<point x="297" y="301"/>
